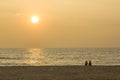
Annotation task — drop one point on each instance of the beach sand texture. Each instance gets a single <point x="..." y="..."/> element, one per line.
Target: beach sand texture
<point x="60" y="73"/>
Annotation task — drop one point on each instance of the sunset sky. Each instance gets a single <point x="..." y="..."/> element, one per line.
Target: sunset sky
<point x="62" y="23"/>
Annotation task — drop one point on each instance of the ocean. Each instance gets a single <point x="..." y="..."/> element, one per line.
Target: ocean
<point x="58" y="56"/>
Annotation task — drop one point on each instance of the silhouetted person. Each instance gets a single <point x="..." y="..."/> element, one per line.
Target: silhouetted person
<point x="90" y="63"/>
<point x="86" y="63"/>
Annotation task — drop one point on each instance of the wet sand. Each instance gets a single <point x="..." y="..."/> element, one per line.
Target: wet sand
<point x="60" y="73"/>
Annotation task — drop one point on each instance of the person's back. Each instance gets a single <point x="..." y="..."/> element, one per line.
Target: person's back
<point x="86" y="63"/>
<point x="90" y="63"/>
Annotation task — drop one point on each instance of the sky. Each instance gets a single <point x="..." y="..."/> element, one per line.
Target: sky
<point x="63" y="23"/>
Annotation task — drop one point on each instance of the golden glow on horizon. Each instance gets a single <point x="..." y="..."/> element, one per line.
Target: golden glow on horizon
<point x="35" y="19"/>
<point x="59" y="23"/>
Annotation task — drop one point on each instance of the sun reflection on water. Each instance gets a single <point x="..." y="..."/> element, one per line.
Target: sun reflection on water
<point x="35" y="57"/>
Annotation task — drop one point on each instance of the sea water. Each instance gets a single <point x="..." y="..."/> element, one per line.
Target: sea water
<point x="58" y="56"/>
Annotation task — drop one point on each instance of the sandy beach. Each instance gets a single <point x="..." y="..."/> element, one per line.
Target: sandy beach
<point x="60" y="73"/>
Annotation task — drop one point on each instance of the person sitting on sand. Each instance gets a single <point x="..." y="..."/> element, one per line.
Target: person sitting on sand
<point x="86" y="63"/>
<point x="90" y="63"/>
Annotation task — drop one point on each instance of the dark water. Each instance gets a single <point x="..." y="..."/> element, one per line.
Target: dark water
<point x="58" y="56"/>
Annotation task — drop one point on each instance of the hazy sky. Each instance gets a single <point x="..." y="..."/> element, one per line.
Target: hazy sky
<point x="63" y="23"/>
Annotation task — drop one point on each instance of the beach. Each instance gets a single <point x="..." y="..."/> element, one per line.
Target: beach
<point x="60" y="73"/>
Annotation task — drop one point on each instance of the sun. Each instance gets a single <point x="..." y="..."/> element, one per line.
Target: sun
<point x="35" y="19"/>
